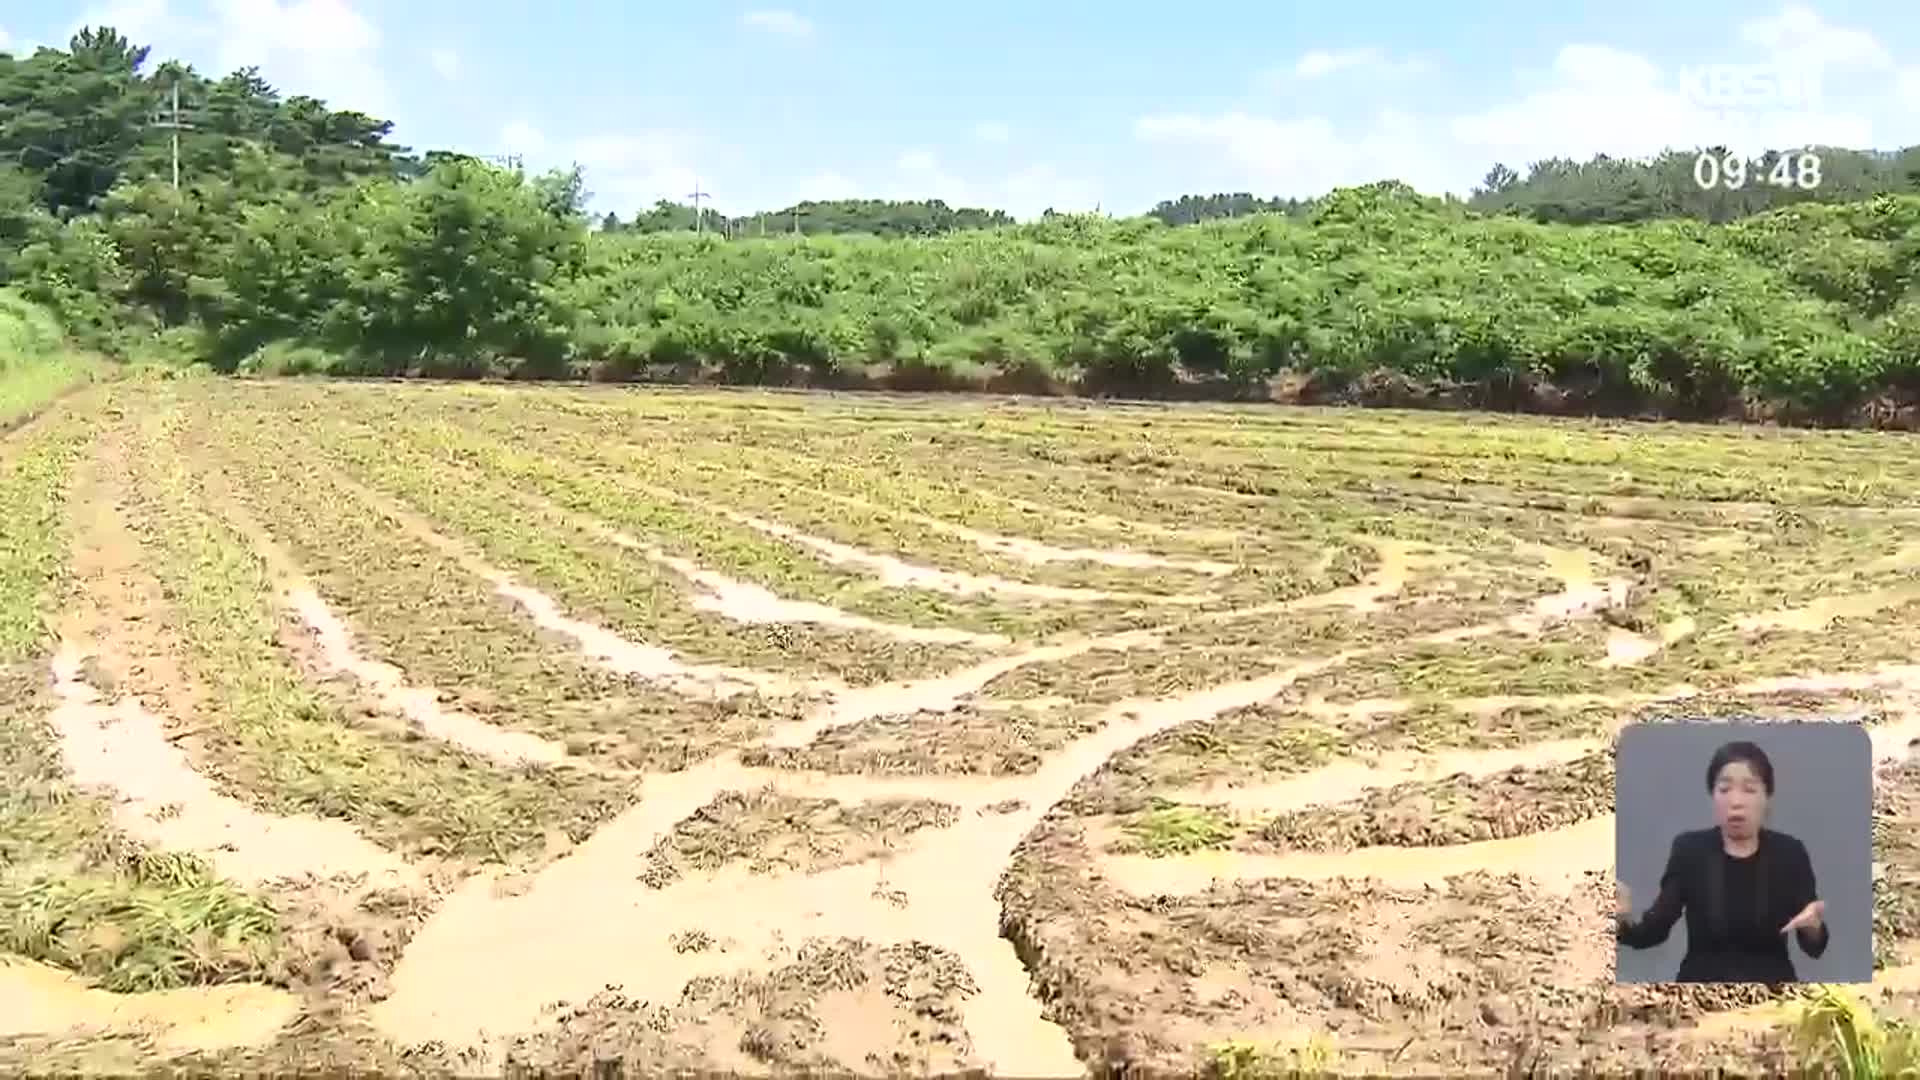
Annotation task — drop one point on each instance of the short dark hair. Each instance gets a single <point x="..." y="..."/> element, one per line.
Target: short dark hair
<point x="1740" y="750"/>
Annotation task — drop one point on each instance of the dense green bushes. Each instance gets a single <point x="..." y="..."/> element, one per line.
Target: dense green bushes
<point x="446" y="274"/>
<point x="1810" y="308"/>
<point x="303" y="242"/>
<point x="471" y="270"/>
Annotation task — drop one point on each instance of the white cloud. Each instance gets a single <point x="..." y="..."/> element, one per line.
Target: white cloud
<point x="1603" y="100"/>
<point x="1301" y="156"/>
<point x="6" y="40"/>
<point x="916" y="161"/>
<point x="625" y="171"/>
<point x="445" y="63"/>
<point x="521" y="137"/>
<point x="919" y="175"/>
<point x="784" y="23"/>
<point x="135" y="18"/>
<point x="990" y="132"/>
<point x="1593" y="99"/>
<point x="1799" y="34"/>
<point x="324" y="48"/>
<point x="1368" y="60"/>
<point x="1040" y="187"/>
<point x="1322" y="62"/>
<point x="821" y="187"/>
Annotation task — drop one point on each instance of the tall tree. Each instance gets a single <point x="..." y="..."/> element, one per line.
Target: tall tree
<point x="73" y="118"/>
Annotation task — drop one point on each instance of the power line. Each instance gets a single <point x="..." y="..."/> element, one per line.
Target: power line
<point x="696" y="197"/>
<point x="175" y="126"/>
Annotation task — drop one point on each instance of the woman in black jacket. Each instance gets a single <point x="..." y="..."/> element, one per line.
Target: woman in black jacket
<point x="1743" y="887"/>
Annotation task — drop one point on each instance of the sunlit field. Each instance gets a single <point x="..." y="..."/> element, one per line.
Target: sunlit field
<point x="490" y="727"/>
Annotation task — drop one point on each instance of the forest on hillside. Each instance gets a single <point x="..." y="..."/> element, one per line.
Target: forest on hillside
<point x="301" y="238"/>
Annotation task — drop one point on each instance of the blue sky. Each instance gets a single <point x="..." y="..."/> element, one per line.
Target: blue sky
<point x="1057" y="103"/>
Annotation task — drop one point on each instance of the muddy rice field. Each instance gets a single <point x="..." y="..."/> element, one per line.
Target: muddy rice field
<point x="482" y="729"/>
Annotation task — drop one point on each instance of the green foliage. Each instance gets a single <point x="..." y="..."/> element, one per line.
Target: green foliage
<point x="301" y="241"/>
<point x="1837" y="1034"/>
<point x="1804" y="308"/>
<point x="28" y="332"/>
<point x="1169" y="828"/>
<point x="837" y="217"/>
<point x="438" y="276"/>
<point x="34" y="366"/>
<point x="77" y="122"/>
<point x="1244" y="1060"/>
<point x="1190" y="209"/>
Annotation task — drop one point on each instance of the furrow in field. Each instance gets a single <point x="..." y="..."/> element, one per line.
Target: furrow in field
<point x="944" y="455"/>
<point x="652" y="663"/>
<point x="912" y="477"/>
<point x="419" y="706"/>
<point x="123" y="748"/>
<point x="1351" y="778"/>
<point x="897" y="573"/>
<point x="1557" y="859"/>
<point x="843" y="705"/>
<point x="841" y="532"/>
<point x="520" y="547"/>
<point x="1026" y="713"/>
<point x="722" y="551"/>
<point x="746" y="602"/>
<point x="899" y="483"/>
<point x="512" y="693"/>
<point x="152" y="921"/>
<point x="1022" y="549"/>
<point x="264" y="736"/>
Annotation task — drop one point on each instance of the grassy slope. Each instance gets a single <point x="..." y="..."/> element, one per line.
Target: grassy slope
<point x="34" y="365"/>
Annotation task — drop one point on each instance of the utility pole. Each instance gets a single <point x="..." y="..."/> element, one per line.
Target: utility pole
<point x="696" y="197"/>
<point x="176" y="127"/>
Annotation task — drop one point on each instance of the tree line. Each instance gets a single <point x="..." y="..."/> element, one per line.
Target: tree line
<point x="303" y="239"/>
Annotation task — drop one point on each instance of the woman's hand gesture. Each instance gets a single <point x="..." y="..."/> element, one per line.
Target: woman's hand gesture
<point x="1622" y="899"/>
<point x="1812" y="917"/>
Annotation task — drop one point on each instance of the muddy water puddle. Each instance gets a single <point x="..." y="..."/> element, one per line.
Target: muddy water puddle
<point x="1821" y="614"/>
<point x="1345" y="780"/>
<point x="745" y="602"/>
<point x="484" y="964"/>
<point x="1626" y="648"/>
<point x="1581" y="590"/>
<point x="418" y="704"/>
<point x="123" y="749"/>
<point x="651" y="662"/>
<point x="1398" y="560"/>
<point x="37" y="1001"/>
<point x="1557" y="858"/>
<point x="941" y="693"/>
<point x="896" y="573"/>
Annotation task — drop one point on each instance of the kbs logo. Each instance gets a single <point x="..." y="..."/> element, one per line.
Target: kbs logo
<point x="1749" y="86"/>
